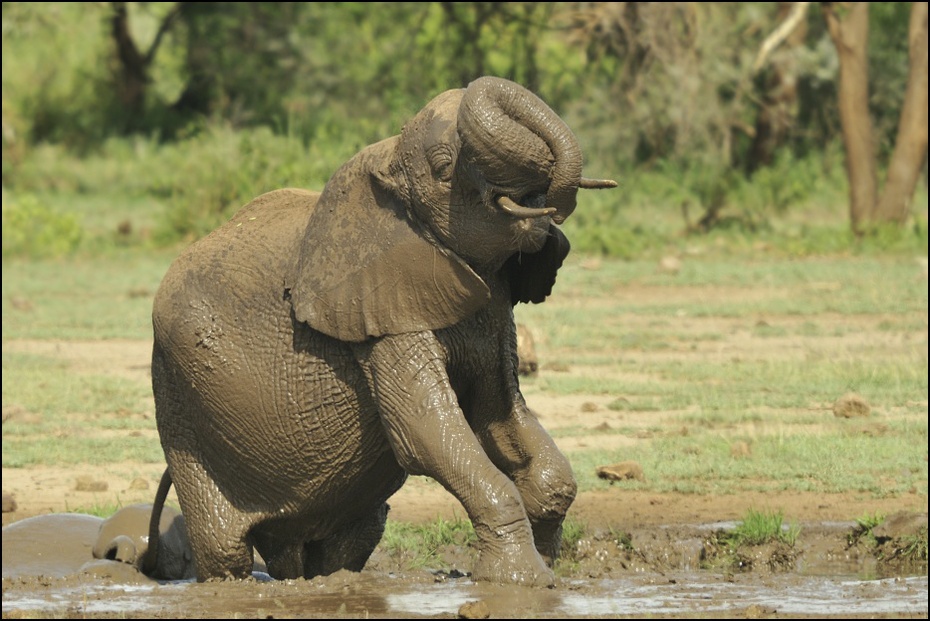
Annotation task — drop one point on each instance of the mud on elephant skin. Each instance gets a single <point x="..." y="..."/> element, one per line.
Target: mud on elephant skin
<point x="319" y="347"/>
<point x="61" y="544"/>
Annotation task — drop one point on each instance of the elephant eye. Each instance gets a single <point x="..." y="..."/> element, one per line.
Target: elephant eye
<point x="441" y="158"/>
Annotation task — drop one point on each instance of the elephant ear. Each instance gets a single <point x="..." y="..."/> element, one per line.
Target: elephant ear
<point x="532" y="275"/>
<point x="364" y="269"/>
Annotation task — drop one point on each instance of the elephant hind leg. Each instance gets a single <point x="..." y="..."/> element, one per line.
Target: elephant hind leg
<point x="218" y="532"/>
<point x="283" y="559"/>
<point x="348" y="548"/>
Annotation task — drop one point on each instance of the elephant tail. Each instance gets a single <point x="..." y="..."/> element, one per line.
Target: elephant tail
<point x="151" y="554"/>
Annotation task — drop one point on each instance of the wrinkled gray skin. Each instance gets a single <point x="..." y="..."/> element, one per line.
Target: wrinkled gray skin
<point x="125" y="537"/>
<point x="61" y="544"/>
<point x="318" y="348"/>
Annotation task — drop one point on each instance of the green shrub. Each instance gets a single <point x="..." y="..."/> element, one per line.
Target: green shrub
<point x="32" y="229"/>
<point x="208" y="177"/>
<point x="759" y="528"/>
<point x="863" y="529"/>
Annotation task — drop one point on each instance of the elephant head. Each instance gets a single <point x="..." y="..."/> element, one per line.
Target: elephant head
<point x="417" y="224"/>
<point x="124" y="537"/>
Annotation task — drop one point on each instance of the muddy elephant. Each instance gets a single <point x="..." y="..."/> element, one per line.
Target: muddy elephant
<point x="62" y="544"/>
<point x="318" y="348"/>
<point x="125" y="537"/>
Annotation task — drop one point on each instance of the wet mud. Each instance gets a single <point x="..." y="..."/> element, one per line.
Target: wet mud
<point x="665" y="571"/>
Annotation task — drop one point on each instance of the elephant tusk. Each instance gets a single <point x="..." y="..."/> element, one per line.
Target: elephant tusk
<point x="519" y="211"/>
<point x="596" y="184"/>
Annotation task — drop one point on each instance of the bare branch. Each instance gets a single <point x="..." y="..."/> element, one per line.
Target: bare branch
<point x="798" y="12"/>
<point x="165" y="26"/>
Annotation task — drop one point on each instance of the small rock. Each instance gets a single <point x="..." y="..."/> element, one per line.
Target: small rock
<point x="9" y="503"/>
<point x="670" y="265"/>
<point x="902" y="524"/>
<point x="474" y="610"/>
<point x="625" y="470"/>
<point x="851" y="405"/>
<point x="755" y="611"/>
<point x="21" y="304"/>
<point x="589" y="406"/>
<point x="139" y="484"/>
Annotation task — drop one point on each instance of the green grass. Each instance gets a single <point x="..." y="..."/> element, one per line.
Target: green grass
<point x="739" y="386"/>
<point x="729" y="550"/>
<point x="862" y="531"/>
<point x="86" y="448"/>
<point x="59" y="415"/>
<point x="906" y="549"/>
<point x="422" y="545"/>
<point x="761" y="527"/>
<point x="96" y="297"/>
<point x="52" y="388"/>
<point x="914" y="548"/>
<point x="844" y="457"/>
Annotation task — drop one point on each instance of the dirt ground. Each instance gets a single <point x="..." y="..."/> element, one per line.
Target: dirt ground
<point x="641" y="556"/>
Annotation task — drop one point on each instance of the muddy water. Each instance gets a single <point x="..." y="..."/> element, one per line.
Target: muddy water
<point x="826" y="579"/>
<point x="385" y="595"/>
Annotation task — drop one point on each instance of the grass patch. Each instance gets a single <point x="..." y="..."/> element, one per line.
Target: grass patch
<point x="862" y="531"/>
<point x="901" y="546"/>
<point x="573" y="532"/>
<point x="82" y="298"/>
<point x="914" y="547"/>
<point x="85" y="448"/>
<point x="884" y="460"/>
<point x="423" y="545"/>
<point x="761" y="527"/>
<point x="761" y="538"/>
<point x="98" y="509"/>
<point x="52" y="389"/>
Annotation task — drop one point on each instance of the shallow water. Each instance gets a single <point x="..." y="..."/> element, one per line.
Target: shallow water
<point x="663" y="579"/>
<point x="386" y="595"/>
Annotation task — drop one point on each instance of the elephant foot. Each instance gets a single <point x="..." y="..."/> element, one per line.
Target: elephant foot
<point x="513" y="564"/>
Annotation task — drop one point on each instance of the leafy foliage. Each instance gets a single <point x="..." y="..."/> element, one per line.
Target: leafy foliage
<point x="661" y="96"/>
<point x="32" y="229"/>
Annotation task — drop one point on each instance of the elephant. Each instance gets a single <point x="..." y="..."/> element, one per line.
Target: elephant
<point x="320" y="347"/>
<point x="62" y="544"/>
<point x="125" y="537"/>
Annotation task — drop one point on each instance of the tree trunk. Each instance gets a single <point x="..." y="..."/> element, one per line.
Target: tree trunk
<point x="133" y="69"/>
<point x="911" y="143"/>
<point x="848" y="23"/>
<point x="779" y="102"/>
<point x="200" y="93"/>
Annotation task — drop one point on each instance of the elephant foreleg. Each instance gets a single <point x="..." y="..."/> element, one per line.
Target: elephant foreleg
<point x="520" y="446"/>
<point x="430" y="436"/>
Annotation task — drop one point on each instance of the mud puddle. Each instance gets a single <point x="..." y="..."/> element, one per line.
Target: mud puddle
<point x="386" y="596"/>
<point x="656" y="572"/>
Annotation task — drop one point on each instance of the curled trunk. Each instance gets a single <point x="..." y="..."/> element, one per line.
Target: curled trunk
<point x="521" y="144"/>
